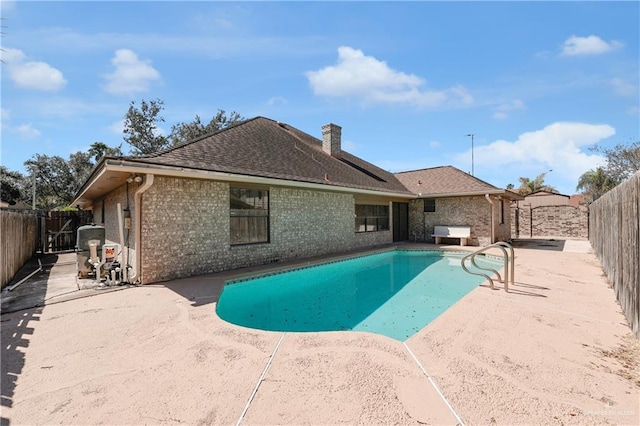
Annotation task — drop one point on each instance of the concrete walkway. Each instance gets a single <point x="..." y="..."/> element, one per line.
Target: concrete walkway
<point x="53" y="281"/>
<point x="552" y="351"/>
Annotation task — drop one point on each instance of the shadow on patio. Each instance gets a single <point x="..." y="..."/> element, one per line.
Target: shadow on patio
<point x="539" y="244"/>
<point x="20" y="309"/>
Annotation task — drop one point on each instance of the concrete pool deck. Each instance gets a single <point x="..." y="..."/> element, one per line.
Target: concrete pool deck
<point x="555" y="350"/>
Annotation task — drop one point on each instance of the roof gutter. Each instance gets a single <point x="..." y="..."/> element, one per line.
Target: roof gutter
<point x="463" y="194"/>
<point x="130" y="167"/>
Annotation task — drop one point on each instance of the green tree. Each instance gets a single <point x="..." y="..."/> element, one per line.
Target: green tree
<point x="12" y="185"/>
<point x="141" y="129"/>
<point x="58" y="180"/>
<point x="100" y="149"/>
<point x="184" y="132"/>
<point x="596" y="183"/>
<point x="142" y="133"/>
<point x="622" y="160"/>
<point x="529" y="186"/>
<point x="54" y="180"/>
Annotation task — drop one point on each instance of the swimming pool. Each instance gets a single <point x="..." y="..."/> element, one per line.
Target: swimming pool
<point x="395" y="293"/>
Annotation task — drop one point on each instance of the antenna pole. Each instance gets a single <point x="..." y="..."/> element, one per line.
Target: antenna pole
<point x="471" y="134"/>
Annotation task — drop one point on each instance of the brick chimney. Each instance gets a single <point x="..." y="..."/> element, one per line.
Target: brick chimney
<point x="331" y="135"/>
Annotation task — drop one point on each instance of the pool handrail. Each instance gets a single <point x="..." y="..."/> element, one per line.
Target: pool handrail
<point x="509" y="264"/>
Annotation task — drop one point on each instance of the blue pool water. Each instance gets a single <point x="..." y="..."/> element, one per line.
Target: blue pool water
<point x="395" y="293"/>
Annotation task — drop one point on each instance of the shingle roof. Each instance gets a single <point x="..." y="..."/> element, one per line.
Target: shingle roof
<point x="443" y="180"/>
<point x="265" y="148"/>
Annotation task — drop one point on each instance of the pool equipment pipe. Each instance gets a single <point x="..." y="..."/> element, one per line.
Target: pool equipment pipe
<point x="13" y="287"/>
<point x="94" y="260"/>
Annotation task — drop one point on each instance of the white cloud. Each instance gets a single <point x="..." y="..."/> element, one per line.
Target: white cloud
<point x="7" y="6"/>
<point x="351" y="146"/>
<point x="435" y="144"/>
<point x="591" y="45"/>
<point x="131" y="74"/>
<point x="557" y="146"/>
<point x="373" y="81"/>
<point x="69" y="107"/>
<point x="5" y="116"/>
<point x="502" y="109"/>
<point x="277" y="99"/>
<point x="27" y="131"/>
<point x="117" y="127"/>
<point x="12" y="56"/>
<point x="634" y="110"/>
<point x="623" y="88"/>
<point x="511" y="105"/>
<point x="204" y="44"/>
<point x="31" y="75"/>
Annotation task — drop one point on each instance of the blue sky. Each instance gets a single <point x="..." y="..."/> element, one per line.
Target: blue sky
<point x="537" y="83"/>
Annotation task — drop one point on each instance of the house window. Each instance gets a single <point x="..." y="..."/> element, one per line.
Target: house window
<point x="370" y="218"/>
<point x="501" y="211"/>
<point x="102" y="212"/>
<point x="249" y="210"/>
<point x="429" y="205"/>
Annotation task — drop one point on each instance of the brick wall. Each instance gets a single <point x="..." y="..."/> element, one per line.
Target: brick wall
<point x="502" y="223"/>
<point x="182" y="228"/>
<point x="473" y="211"/>
<point x="550" y="221"/>
<point x="110" y="206"/>
<point x="185" y="228"/>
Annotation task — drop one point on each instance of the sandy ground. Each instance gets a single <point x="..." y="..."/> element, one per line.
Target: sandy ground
<point x="555" y="350"/>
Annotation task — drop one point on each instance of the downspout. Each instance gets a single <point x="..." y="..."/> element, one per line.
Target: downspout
<point x="148" y="181"/>
<point x="492" y="219"/>
<point x="121" y="235"/>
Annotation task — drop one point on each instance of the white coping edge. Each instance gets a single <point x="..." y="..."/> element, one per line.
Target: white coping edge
<point x="260" y="379"/>
<point x="434" y="385"/>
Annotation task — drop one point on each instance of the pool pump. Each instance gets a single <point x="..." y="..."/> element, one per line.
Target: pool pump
<point x="97" y="259"/>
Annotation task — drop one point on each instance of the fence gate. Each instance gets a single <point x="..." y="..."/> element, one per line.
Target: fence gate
<point x="58" y="230"/>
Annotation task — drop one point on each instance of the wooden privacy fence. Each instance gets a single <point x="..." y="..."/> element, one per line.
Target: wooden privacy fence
<point x="19" y="231"/>
<point x="60" y="229"/>
<point x="614" y="223"/>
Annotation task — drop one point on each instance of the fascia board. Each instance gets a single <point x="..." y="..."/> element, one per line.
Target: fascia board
<point x="129" y="167"/>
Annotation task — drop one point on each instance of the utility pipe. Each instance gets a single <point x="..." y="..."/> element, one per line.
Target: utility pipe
<point x="121" y="235"/>
<point x="148" y="181"/>
<point x="13" y="287"/>
<point x="488" y="197"/>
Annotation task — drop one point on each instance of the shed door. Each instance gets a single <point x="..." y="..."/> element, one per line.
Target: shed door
<point x="400" y="222"/>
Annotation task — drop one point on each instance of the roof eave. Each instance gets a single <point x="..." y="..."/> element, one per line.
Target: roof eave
<point x="496" y="191"/>
<point x="98" y="171"/>
<point x="125" y="166"/>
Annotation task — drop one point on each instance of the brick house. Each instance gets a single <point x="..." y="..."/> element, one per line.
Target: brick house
<point x="254" y="193"/>
<point x="448" y="196"/>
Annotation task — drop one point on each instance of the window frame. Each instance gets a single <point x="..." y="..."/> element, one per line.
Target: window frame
<point x="257" y="213"/>
<point x="373" y="217"/>
<point x="429" y="205"/>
